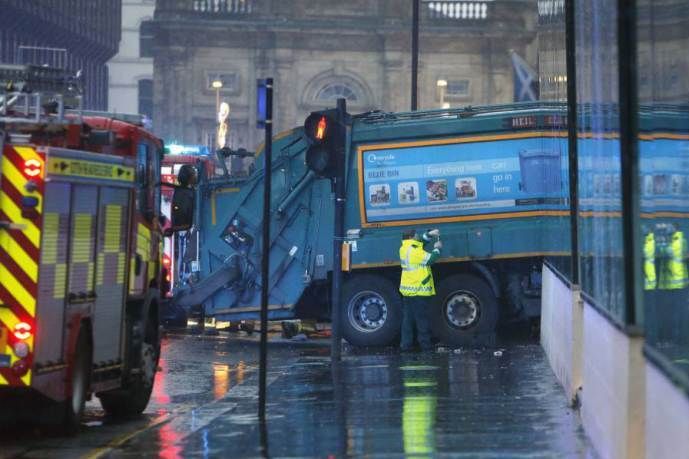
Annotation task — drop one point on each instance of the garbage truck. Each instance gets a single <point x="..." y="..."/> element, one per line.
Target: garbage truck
<point x="492" y="179"/>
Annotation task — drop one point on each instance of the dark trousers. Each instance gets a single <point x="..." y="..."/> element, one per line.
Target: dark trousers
<point x="415" y="315"/>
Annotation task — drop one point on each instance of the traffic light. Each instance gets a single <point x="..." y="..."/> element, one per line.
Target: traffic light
<point x="326" y="133"/>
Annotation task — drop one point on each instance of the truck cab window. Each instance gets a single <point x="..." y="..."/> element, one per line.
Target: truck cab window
<point x="142" y="178"/>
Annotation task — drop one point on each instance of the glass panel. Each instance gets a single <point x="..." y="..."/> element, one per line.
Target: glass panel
<point x="663" y="64"/>
<point x="600" y="226"/>
<point x="553" y="88"/>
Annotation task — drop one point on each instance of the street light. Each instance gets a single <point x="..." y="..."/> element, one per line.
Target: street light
<point x="442" y="86"/>
<point x="217" y="84"/>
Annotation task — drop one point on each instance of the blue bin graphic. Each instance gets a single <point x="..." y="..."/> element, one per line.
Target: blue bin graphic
<point x="540" y="169"/>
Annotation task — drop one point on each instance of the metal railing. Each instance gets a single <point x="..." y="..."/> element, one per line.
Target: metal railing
<point x="223" y="6"/>
<point x="212" y="7"/>
<point x="458" y="10"/>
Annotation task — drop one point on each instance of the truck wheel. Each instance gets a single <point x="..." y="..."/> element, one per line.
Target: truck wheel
<point x="80" y="375"/>
<point x="372" y="311"/>
<point x="132" y="399"/>
<point x="465" y="311"/>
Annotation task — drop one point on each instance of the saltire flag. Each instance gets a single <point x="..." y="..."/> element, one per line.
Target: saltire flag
<point x="525" y="80"/>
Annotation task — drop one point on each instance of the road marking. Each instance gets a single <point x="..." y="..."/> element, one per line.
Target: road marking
<point x="191" y="419"/>
<point x="122" y="439"/>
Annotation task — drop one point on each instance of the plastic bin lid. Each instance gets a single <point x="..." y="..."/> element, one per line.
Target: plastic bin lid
<point x="538" y="153"/>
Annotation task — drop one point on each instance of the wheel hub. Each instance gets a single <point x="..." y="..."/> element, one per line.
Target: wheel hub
<point x="462" y="310"/>
<point x="367" y="311"/>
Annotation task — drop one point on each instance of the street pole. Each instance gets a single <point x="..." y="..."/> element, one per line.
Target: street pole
<point x="572" y="146"/>
<point x="340" y="200"/>
<point x="414" y="55"/>
<point x="265" y="249"/>
<point x="629" y="160"/>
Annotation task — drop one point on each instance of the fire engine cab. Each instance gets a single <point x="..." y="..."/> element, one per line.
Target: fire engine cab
<point x="80" y="246"/>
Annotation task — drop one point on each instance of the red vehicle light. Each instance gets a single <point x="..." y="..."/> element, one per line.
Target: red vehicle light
<point x="166" y="260"/>
<point x="22" y="331"/>
<point x="32" y="167"/>
<point x="20" y="367"/>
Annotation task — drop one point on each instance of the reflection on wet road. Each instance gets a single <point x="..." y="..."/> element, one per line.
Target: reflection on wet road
<point x="195" y="371"/>
<point x="467" y="404"/>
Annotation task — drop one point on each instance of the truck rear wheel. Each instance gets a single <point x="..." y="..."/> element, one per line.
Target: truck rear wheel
<point x="465" y="311"/>
<point x="372" y="311"/>
<point x="132" y="399"/>
<point x="80" y="375"/>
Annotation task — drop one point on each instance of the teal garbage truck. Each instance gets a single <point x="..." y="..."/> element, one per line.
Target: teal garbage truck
<point x="493" y="180"/>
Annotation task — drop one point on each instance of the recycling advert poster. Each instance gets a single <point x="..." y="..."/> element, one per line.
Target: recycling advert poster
<point x="458" y="179"/>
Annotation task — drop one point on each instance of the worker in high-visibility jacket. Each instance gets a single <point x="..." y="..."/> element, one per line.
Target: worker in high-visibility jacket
<point x="673" y="281"/>
<point x="416" y="286"/>
<point x="650" y="278"/>
<point x="673" y="274"/>
<point x="651" y="311"/>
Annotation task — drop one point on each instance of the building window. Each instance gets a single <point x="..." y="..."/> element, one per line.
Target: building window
<point x="334" y="91"/>
<point x="146" y="98"/>
<point x="229" y="80"/>
<point x="146" y="39"/>
<point x="457" y="88"/>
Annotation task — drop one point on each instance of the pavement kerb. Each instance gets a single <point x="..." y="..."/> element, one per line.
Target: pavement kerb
<point x="255" y="339"/>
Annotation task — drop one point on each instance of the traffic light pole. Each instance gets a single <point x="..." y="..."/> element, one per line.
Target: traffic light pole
<point x="414" y="55"/>
<point x="340" y="200"/>
<point x="265" y="249"/>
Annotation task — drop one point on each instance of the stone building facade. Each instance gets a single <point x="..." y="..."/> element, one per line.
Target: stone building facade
<point x="131" y="70"/>
<point x="319" y="51"/>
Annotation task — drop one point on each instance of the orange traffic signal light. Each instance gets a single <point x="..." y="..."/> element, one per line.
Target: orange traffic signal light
<point x="320" y="129"/>
<point x="326" y="134"/>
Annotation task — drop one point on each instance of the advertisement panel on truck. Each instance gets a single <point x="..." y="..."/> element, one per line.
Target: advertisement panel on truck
<point x="450" y="178"/>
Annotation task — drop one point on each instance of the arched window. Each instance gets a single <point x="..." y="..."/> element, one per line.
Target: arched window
<point x="337" y="90"/>
<point x="325" y="88"/>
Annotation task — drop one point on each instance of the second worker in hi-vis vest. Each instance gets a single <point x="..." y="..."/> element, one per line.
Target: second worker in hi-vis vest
<point x="416" y="287"/>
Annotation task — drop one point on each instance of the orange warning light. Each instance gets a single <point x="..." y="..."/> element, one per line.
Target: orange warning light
<point x="320" y="129"/>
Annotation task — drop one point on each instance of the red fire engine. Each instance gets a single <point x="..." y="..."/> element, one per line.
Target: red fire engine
<point x="80" y="245"/>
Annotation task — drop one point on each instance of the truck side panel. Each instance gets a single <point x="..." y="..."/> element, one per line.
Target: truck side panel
<point x="113" y="212"/>
<point x="53" y="276"/>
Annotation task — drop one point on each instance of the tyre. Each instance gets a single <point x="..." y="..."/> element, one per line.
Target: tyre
<point x="72" y="408"/>
<point x="132" y="399"/>
<point x="372" y="311"/>
<point x="465" y="311"/>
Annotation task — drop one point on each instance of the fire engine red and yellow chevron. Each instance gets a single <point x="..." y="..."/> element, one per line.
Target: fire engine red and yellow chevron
<point x="21" y="206"/>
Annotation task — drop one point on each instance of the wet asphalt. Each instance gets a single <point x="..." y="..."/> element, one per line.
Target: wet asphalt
<point x="375" y="403"/>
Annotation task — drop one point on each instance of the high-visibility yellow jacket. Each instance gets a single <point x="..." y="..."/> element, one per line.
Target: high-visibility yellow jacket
<point x="417" y="278"/>
<point x="674" y="272"/>
<point x="650" y="278"/>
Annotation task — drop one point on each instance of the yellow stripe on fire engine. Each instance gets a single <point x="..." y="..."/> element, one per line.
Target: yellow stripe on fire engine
<point x="60" y="281"/>
<point x="121" y="262"/>
<point x="100" y="268"/>
<point x="28" y="153"/>
<point x="18" y="181"/>
<point x="3" y="381"/>
<point x="113" y="226"/>
<point x="13" y="286"/>
<point x="15" y="214"/>
<point x="81" y="242"/>
<point x="51" y="227"/>
<point x="89" y="169"/>
<point x="16" y="251"/>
